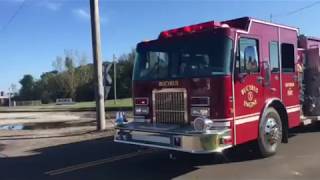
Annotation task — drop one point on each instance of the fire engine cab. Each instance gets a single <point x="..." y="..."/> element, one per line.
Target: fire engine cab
<point x="208" y="87"/>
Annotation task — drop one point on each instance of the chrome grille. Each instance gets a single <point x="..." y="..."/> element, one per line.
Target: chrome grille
<point x="170" y="106"/>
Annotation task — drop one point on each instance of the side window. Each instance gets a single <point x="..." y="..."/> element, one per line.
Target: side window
<point x="274" y="57"/>
<point x="287" y="57"/>
<point x="248" y="53"/>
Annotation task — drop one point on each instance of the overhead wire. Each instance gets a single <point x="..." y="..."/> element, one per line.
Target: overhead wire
<point x="302" y="8"/>
<point x="295" y="11"/>
<point x="13" y="16"/>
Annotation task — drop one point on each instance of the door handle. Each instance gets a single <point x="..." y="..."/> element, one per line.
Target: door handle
<point x="260" y="79"/>
<point x="273" y="89"/>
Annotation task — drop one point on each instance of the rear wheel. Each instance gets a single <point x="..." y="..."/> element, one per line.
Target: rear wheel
<point x="270" y="132"/>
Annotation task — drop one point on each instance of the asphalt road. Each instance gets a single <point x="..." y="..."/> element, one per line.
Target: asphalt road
<point x="102" y="159"/>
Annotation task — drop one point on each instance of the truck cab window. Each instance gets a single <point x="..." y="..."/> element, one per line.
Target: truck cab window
<point x="155" y="65"/>
<point x="287" y="57"/>
<point x="248" y="54"/>
<point x="274" y="56"/>
<point x="198" y="56"/>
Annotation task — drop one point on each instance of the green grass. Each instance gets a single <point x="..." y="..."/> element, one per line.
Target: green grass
<point x="109" y="104"/>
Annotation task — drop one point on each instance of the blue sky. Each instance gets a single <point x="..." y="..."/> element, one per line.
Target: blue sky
<point x="43" y="29"/>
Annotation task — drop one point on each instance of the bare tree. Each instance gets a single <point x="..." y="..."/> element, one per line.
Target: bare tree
<point x="58" y="64"/>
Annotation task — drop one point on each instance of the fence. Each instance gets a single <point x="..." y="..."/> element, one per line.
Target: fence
<point x="29" y="103"/>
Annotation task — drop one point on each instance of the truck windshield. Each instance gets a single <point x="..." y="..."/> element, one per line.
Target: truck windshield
<point x="192" y="57"/>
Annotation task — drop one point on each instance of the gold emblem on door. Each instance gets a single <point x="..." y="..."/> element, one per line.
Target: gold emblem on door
<point x="249" y="92"/>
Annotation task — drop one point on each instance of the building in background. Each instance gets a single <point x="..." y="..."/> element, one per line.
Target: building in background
<point x="4" y="99"/>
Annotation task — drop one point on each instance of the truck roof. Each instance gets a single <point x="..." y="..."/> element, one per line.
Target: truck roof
<point x="313" y="38"/>
<point x="242" y="24"/>
<point x="308" y="42"/>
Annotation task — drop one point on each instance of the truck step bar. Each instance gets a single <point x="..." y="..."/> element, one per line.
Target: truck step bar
<point x="306" y="120"/>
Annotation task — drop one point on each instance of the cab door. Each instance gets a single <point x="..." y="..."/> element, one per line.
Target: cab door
<point x="271" y="72"/>
<point x="290" y="84"/>
<point x="248" y="89"/>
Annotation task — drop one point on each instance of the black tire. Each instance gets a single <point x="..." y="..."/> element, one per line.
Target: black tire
<point x="270" y="132"/>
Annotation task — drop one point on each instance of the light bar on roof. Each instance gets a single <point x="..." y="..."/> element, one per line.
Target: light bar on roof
<point x="189" y="29"/>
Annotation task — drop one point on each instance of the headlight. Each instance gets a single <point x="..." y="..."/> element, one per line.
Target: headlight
<point x="202" y="124"/>
<point x="141" y="110"/>
<point x="200" y="111"/>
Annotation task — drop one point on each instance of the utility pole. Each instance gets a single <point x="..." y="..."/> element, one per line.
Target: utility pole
<point x="115" y="79"/>
<point x="97" y="59"/>
<point x="9" y="97"/>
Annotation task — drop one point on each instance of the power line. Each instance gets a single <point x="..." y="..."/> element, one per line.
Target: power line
<point x="303" y="8"/>
<point x="14" y="15"/>
<point x="295" y="11"/>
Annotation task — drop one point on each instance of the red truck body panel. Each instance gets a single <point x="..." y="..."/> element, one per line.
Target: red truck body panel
<point x="241" y="98"/>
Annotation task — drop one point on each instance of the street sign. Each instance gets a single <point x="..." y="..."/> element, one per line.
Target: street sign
<point x="107" y="80"/>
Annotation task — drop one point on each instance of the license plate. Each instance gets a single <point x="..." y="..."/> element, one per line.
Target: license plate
<point x="151" y="138"/>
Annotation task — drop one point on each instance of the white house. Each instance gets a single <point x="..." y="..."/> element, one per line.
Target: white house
<point x="4" y="98"/>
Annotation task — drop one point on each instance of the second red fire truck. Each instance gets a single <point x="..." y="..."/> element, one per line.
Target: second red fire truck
<point x="208" y="87"/>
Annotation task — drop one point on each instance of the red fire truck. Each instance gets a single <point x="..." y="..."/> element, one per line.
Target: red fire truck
<point x="208" y="87"/>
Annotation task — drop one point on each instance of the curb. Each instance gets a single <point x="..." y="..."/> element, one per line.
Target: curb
<point x="66" y="110"/>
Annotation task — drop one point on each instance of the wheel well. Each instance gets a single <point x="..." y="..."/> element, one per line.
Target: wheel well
<point x="280" y="108"/>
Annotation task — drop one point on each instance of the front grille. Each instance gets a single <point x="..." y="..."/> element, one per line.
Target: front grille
<point x="170" y="106"/>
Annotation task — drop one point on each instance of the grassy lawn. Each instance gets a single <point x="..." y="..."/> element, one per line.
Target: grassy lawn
<point x="110" y="105"/>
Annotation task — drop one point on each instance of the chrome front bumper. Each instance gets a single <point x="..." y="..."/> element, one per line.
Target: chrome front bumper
<point x="174" y="137"/>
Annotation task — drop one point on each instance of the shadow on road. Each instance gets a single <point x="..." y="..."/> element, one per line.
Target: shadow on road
<point x="2" y="147"/>
<point x="314" y="127"/>
<point x="31" y="136"/>
<point x="102" y="159"/>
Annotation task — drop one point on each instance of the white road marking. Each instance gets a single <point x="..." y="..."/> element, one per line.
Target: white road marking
<point x="98" y="162"/>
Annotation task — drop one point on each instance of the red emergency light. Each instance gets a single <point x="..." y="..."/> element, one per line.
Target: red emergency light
<point x="141" y="101"/>
<point x="189" y="29"/>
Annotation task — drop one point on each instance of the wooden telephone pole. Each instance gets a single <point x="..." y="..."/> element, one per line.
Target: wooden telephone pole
<point x="97" y="58"/>
<point x="115" y="79"/>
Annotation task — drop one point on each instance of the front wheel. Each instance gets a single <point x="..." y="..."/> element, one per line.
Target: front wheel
<point x="270" y="132"/>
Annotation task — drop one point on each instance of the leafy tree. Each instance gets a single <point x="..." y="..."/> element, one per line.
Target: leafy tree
<point x="124" y="75"/>
<point x="27" y="87"/>
<point x="77" y="82"/>
<point x="51" y="86"/>
<point x="85" y="85"/>
<point x="69" y="77"/>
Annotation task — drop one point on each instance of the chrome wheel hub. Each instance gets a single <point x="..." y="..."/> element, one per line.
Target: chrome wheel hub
<point x="272" y="131"/>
